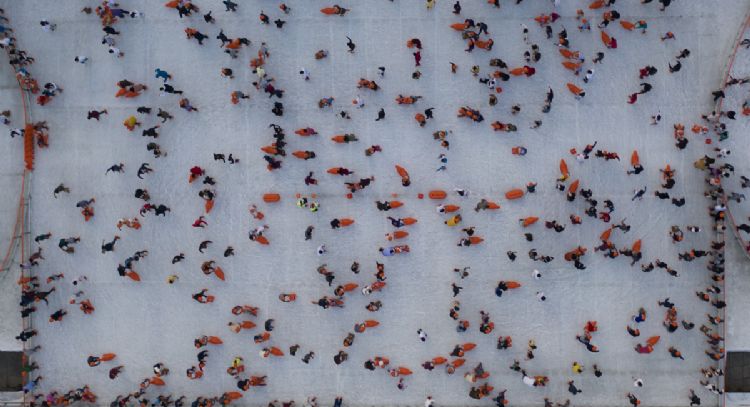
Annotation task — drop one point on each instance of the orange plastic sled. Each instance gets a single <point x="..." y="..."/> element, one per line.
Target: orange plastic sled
<point x="451" y="208"/>
<point x="371" y="323"/>
<point x="406" y="100"/>
<point x="517" y="71"/>
<point x="438" y="360"/>
<point x="511" y="285"/>
<point x="469" y="346"/>
<point x="403" y="371"/>
<point x="107" y="357"/>
<point x="458" y="26"/>
<point x="157" y="381"/>
<point x="300" y="154"/>
<point x="458" y="363"/>
<point x="402" y="171"/>
<point x="133" y="275"/>
<point x="627" y="25"/>
<point x="344" y="222"/>
<point x="398" y="234"/>
<point x="606" y="39"/>
<point x="476" y="240"/>
<point x="634" y="159"/>
<point x="307" y="131"/>
<point x="271" y="197"/>
<point x="409" y="221"/>
<point x="215" y="340"/>
<point x="543" y="19"/>
<point x="573" y="187"/>
<point x="571" y="65"/>
<point x="247" y="324"/>
<point x="529" y="221"/>
<point x="653" y="340"/>
<point x="262" y="240"/>
<point x="437" y="194"/>
<point x="597" y="4"/>
<point x="272" y="150"/>
<point x="339" y="138"/>
<point x="514" y="194"/>
<point x="234" y="395"/>
<point x="172" y="4"/>
<point x="334" y="170"/>
<point x="636" y="246"/>
<point x="484" y="44"/>
<point x="329" y="11"/>
<point x="234" y="44"/>
<point x="492" y="205"/>
<point x="276" y="351"/>
<point x="209" y="205"/>
<point x="604" y="237"/>
<point x="574" y="89"/>
<point x="564" y="169"/>
<point x="350" y="287"/>
<point x="566" y="53"/>
<point x="219" y="273"/>
<point x="396" y="204"/>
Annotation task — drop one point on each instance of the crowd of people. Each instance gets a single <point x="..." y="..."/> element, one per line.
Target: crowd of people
<point x="592" y="204"/>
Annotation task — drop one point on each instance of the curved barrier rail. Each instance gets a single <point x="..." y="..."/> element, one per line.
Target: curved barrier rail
<point x="717" y="108"/>
<point x="731" y="223"/>
<point x="21" y="235"/>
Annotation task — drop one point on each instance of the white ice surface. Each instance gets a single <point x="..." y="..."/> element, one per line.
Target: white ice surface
<point x="151" y="321"/>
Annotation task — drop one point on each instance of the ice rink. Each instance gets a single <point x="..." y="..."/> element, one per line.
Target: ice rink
<point x="151" y="321"/>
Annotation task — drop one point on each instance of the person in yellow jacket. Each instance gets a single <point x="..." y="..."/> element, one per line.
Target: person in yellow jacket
<point x="130" y="123"/>
<point x="454" y="220"/>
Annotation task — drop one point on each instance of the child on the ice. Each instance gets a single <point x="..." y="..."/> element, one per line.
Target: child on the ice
<point x="163" y="75"/>
<point x="185" y="104"/>
<point x="202" y="297"/>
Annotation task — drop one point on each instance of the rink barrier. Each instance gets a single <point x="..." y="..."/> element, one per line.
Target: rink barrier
<point x="12" y="247"/>
<point x="720" y="234"/>
<point x="21" y="237"/>
<point x="20" y="241"/>
<point x="717" y="107"/>
<point x="29" y="164"/>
